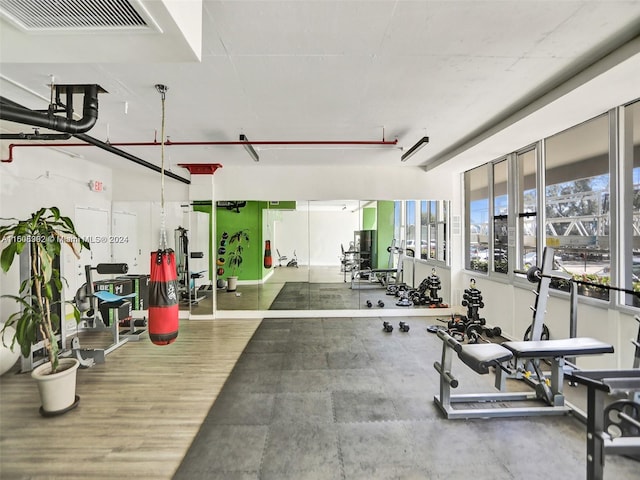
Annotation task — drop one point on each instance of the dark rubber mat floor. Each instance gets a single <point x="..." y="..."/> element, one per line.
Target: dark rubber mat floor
<point x="337" y="398"/>
<point x="316" y="296"/>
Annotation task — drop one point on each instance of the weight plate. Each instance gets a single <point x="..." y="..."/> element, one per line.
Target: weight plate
<point x="614" y="422"/>
<point x="545" y="333"/>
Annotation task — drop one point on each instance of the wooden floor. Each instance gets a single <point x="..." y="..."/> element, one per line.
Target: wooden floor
<point x="138" y="412"/>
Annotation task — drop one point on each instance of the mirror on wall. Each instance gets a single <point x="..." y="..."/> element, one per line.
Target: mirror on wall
<point x="188" y="231"/>
<point x="325" y="255"/>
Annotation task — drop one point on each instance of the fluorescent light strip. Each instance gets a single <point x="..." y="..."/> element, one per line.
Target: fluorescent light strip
<point x="421" y="143"/>
<point x="249" y="148"/>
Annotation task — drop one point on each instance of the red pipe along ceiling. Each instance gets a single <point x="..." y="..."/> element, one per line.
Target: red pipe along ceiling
<point x="170" y="143"/>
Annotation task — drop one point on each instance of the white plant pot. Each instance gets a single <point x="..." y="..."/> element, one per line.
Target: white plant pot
<point x="57" y="390"/>
<point x="232" y="284"/>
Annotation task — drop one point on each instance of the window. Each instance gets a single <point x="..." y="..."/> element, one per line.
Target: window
<point x="397" y="221"/>
<point x="577" y="201"/>
<point x="582" y="177"/>
<point x="410" y="222"/>
<point x="433" y="230"/>
<point x="434" y="234"/>
<point x="527" y="171"/>
<point x="476" y="184"/>
<point x="443" y="219"/>
<point x="631" y="273"/>
<point x="425" y="226"/>
<point x="500" y="217"/>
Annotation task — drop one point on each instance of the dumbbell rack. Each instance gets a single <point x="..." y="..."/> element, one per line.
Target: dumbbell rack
<point x="433" y="285"/>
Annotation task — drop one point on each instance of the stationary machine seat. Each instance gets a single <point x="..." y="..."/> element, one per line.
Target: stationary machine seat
<point x="566" y="347"/>
<point x="109" y="297"/>
<point x="480" y="357"/>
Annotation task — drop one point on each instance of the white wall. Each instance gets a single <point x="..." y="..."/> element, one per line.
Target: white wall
<point x="145" y="186"/>
<point x="314" y="235"/>
<point x="149" y="222"/>
<point x="44" y="178"/>
<point x="327" y="230"/>
<point x="261" y="182"/>
<point x="291" y="232"/>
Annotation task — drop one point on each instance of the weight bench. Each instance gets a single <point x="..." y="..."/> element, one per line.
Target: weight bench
<point x="481" y="358"/>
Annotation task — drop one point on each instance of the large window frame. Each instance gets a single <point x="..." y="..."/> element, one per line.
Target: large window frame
<point x="431" y="240"/>
<point x="617" y="209"/>
<point x="477" y="213"/>
<point x="500" y="207"/>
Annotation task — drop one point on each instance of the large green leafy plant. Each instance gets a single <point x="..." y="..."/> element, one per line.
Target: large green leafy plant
<point x="44" y="233"/>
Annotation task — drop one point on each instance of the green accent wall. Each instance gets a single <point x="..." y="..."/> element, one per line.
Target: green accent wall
<point x="385" y="214"/>
<point x="286" y="205"/>
<point x="249" y="219"/>
<point x="369" y="219"/>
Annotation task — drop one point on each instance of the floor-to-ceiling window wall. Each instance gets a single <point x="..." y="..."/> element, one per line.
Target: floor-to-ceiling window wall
<point x="582" y="172"/>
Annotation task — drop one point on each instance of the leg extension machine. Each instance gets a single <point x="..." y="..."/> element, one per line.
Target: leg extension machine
<point x="481" y="357"/>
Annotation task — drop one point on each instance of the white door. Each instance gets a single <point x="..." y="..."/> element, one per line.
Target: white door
<point x="124" y="236"/>
<point x="93" y="225"/>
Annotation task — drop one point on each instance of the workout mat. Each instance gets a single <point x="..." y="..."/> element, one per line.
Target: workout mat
<point x="315" y="296"/>
<point x="338" y="398"/>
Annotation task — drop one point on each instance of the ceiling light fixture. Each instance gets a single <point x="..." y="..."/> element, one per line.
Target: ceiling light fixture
<point x="421" y="143"/>
<point x="247" y="146"/>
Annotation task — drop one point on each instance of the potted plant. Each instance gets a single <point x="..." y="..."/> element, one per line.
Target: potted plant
<point x="237" y="243"/>
<point x="43" y="233"/>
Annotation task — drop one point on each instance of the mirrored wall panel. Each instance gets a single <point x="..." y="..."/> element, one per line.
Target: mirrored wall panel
<point x="328" y="255"/>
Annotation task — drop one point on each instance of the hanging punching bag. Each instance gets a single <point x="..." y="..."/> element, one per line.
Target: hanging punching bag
<point x="163" y="298"/>
<point x="268" y="261"/>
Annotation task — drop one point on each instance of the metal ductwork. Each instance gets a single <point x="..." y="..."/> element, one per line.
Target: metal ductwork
<point x="116" y="151"/>
<point x="35" y="136"/>
<point x="12" y="112"/>
<point x="4" y="102"/>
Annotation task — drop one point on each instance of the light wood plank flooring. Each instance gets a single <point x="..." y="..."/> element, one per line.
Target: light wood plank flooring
<point x="138" y="412"/>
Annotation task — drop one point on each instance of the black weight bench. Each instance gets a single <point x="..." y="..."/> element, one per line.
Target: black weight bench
<point x="481" y="358"/>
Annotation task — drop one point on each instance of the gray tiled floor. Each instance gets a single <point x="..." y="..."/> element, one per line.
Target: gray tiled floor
<point x="340" y="399"/>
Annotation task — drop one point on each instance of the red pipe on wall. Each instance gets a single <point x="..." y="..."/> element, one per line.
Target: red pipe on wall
<point x="204" y="143"/>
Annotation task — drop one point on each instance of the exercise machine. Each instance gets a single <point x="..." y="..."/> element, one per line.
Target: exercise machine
<point x="281" y="258"/>
<point x="389" y="278"/>
<point x="348" y="260"/>
<point x="103" y="306"/>
<point x="292" y="262"/>
<point x="186" y="278"/>
<point x="482" y="357"/>
<point x="520" y="359"/>
<point x="614" y="429"/>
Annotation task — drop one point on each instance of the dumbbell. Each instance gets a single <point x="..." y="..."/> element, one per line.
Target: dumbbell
<point x="387" y="327"/>
<point x="368" y="304"/>
<point x="473" y="333"/>
<point x="404" y="327"/>
<point x="380" y="303"/>
<point x="493" y="332"/>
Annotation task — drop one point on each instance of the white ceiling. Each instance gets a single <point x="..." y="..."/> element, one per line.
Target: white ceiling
<point x="336" y="71"/>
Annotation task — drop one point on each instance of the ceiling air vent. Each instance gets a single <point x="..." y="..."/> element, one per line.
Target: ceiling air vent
<point x="54" y="16"/>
